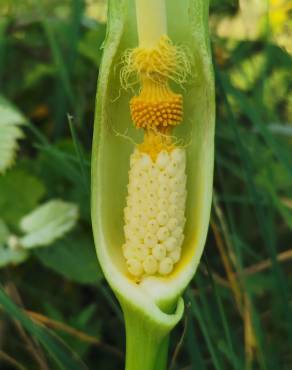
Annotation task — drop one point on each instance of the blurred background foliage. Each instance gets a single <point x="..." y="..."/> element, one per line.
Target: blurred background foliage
<point x="56" y="310"/>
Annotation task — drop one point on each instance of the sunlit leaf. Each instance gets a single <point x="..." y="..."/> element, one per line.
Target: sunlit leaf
<point x="20" y="194"/>
<point x="47" y="223"/>
<point x="10" y="132"/>
<point x="10" y="256"/>
<point x="4" y="232"/>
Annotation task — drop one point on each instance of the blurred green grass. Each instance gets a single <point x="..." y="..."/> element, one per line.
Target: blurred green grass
<point x="238" y="312"/>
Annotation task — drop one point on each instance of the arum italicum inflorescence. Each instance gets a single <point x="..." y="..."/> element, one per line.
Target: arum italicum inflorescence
<point x="152" y="164"/>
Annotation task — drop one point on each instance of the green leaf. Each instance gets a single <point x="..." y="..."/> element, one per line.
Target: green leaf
<point x="89" y="46"/>
<point x="47" y="223"/>
<point x="10" y="120"/>
<point x="20" y="193"/>
<point x="246" y="73"/>
<point x="224" y="6"/>
<point x="9" y="115"/>
<point x="4" y="233"/>
<point x="37" y="74"/>
<point x="10" y="256"/>
<point x="72" y="257"/>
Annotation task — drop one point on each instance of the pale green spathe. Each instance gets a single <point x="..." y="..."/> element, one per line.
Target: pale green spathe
<point x="154" y="306"/>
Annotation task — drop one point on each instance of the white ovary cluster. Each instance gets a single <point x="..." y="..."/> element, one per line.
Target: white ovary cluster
<point x="154" y="214"/>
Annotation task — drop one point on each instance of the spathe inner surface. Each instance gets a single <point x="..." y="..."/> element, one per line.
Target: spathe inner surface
<point x="116" y="150"/>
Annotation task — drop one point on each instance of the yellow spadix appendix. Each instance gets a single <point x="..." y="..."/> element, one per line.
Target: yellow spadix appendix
<point x="152" y="164"/>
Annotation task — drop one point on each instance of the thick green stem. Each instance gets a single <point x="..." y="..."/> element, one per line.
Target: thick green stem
<point x="161" y="361"/>
<point x="146" y="345"/>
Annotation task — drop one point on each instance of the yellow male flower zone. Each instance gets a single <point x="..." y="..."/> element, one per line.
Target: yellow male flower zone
<point x="150" y="222"/>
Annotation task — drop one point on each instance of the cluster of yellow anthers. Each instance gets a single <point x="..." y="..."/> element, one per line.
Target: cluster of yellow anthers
<point x="157" y="105"/>
<point x="155" y="111"/>
<point x="154" y="213"/>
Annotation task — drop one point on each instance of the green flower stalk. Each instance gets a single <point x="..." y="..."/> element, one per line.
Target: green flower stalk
<point x="152" y="164"/>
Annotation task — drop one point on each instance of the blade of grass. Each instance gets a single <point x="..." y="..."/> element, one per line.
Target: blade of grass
<point x="60" y="162"/>
<point x="73" y="32"/>
<point x="179" y="345"/>
<point x="82" y="336"/>
<point x="11" y="361"/>
<point x="60" y="64"/>
<point x="62" y="355"/>
<point x="64" y="98"/>
<point x="261" y="214"/>
<point x="196" y="311"/>
<point x="80" y="156"/>
<point x="3" y="26"/>
<point x="111" y="301"/>
<point x="193" y="346"/>
<point x="226" y="327"/>
<point x="265" y="357"/>
<point x="247" y="107"/>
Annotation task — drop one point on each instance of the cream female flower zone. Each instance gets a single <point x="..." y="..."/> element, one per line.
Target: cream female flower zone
<point x="151" y="200"/>
<point x="154" y="215"/>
